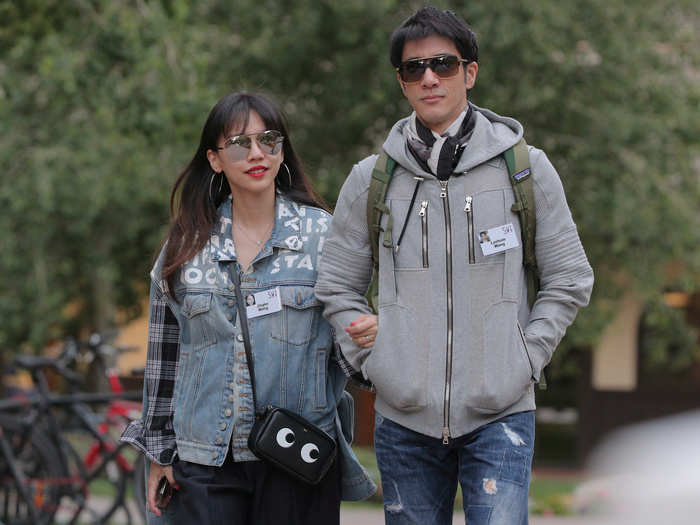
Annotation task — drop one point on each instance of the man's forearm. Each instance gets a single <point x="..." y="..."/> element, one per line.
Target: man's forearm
<point x="342" y="282"/>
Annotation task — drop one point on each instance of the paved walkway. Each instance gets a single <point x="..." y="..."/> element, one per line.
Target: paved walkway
<point x="356" y="516"/>
<point x="359" y="515"/>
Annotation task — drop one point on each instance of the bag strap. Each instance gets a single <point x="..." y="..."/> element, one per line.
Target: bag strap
<point x="376" y="195"/>
<point x="520" y="176"/>
<point x="243" y="319"/>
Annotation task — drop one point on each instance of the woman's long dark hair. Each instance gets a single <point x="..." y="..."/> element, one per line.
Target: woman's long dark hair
<point x="196" y="196"/>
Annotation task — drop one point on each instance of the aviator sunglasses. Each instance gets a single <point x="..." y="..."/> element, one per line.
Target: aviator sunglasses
<point x="444" y="66"/>
<point x="237" y="147"/>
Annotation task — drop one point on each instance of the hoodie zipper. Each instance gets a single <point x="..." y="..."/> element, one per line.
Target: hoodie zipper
<point x="448" y="358"/>
<point x="423" y="213"/>
<point x="469" y="210"/>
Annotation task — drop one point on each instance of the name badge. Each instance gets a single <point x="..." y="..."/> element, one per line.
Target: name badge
<point x="263" y="303"/>
<point x="498" y="239"/>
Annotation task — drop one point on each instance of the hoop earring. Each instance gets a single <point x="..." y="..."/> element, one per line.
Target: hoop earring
<point x="221" y="183"/>
<point x="289" y="174"/>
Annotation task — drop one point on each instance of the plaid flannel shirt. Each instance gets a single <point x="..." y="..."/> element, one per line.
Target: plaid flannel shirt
<point x="154" y="433"/>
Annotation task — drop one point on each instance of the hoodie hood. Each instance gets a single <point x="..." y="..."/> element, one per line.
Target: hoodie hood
<point x="492" y="135"/>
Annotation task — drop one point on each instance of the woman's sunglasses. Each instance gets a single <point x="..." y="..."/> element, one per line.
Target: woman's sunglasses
<point x="444" y="66"/>
<point x="237" y="148"/>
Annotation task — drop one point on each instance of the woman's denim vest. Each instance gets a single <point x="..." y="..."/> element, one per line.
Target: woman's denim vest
<point x="291" y="347"/>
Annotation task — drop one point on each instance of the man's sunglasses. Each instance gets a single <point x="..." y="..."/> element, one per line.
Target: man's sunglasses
<point x="444" y="66"/>
<point x="237" y="148"/>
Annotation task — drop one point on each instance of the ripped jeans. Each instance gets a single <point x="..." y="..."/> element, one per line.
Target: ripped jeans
<point x="420" y="474"/>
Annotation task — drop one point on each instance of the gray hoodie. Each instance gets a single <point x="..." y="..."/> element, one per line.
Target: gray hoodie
<point x="457" y="345"/>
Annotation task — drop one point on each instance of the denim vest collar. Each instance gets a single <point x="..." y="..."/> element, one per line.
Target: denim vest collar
<point x="285" y="233"/>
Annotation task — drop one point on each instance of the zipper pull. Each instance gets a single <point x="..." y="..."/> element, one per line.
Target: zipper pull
<point x="443" y="185"/>
<point x="423" y="207"/>
<point x="445" y="435"/>
<point x="468" y="205"/>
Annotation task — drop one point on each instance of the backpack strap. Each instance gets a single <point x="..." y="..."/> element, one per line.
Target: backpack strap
<point x="376" y="195"/>
<point x="518" y="162"/>
<point x="520" y="176"/>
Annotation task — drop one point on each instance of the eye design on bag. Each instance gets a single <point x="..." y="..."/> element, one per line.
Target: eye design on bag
<point x="285" y="437"/>
<point x="309" y="453"/>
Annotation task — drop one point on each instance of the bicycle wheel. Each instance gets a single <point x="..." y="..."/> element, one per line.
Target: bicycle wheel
<point x="34" y="458"/>
<point x="103" y="481"/>
<point x="140" y="485"/>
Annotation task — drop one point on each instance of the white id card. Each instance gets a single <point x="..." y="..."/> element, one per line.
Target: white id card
<point x="498" y="239"/>
<point x="263" y="303"/>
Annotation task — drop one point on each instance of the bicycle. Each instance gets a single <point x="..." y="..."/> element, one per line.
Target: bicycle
<point x="101" y="356"/>
<point x="40" y="467"/>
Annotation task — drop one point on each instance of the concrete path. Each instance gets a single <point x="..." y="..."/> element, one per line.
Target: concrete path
<point x="356" y="516"/>
<point x="361" y="515"/>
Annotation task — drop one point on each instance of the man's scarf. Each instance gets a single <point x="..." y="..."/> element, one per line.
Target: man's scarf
<point x="439" y="154"/>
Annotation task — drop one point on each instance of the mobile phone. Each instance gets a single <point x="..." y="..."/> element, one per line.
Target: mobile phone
<point x="163" y="493"/>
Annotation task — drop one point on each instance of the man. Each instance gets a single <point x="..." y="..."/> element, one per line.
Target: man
<point x="455" y="351"/>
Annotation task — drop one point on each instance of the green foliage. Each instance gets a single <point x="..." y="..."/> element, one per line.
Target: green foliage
<point x="102" y="103"/>
<point x="607" y="89"/>
<point x="667" y="345"/>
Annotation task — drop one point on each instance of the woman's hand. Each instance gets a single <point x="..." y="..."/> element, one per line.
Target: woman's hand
<point x="363" y="330"/>
<point x="155" y="473"/>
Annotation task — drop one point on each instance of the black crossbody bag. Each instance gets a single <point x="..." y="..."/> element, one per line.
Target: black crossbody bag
<point x="280" y="436"/>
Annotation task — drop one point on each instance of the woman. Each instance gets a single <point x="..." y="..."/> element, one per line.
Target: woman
<point x="243" y="205"/>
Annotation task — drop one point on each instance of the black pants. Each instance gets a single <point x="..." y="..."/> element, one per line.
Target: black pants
<point x="252" y="493"/>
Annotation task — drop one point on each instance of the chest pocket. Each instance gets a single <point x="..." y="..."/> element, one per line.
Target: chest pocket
<point x="300" y="311"/>
<point x="198" y="331"/>
<point x="489" y="209"/>
<point x="413" y="250"/>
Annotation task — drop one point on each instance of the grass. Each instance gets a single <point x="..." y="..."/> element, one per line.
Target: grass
<point x="550" y="492"/>
<point x="551" y="495"/>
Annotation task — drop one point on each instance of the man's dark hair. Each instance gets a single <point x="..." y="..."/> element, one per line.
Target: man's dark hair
<point x="430" y="21"/>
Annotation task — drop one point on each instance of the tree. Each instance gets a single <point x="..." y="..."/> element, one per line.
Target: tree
<point x="103" y="103"/>
<point x="608" y="90"/>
